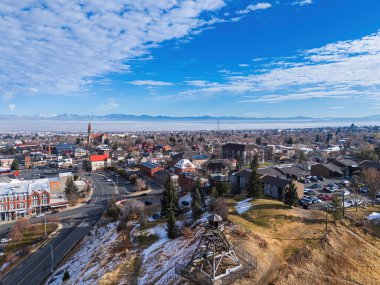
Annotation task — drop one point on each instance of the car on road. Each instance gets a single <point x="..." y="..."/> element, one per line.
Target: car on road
<point x="109" y="180"/>
<point x="148" y="203"/>
<point x="40" y="215"/>
<point x="5" y="240"/>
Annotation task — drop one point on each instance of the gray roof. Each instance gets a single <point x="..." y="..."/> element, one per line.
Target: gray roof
<point x="271" y="180"/>
<point x="369" y="164"/>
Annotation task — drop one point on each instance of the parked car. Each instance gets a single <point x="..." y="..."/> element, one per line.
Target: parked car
<point x="316" y="186"/>
<point x="321" y="178"/>
<point x="185" y="203"/>
<point x="109" y="180"/>
<point x="345" y="192"/>
<point x="325" y="197"/>
<point x="5" y="240"/>
<point x="378" y="195"/>
<point x="363" y="190"/>
<point x="156" y="216"/>
<point x="313" y="179"/>
<point x="305" y="201"/>
<point x="148" y="203"/>
<point x="315" y="200"/>
<point x="377" y="200"/>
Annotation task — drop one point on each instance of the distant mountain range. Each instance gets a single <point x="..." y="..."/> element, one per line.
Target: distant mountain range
<point x="125" y="117"/>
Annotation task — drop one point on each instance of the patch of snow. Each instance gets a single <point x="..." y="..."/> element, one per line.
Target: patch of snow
<point x="160" y="231"/>
<point x="374" y="216"/>
<point x="87" y="265"/>
<point x="243" y="206"/>
<point x="158" y="267"/>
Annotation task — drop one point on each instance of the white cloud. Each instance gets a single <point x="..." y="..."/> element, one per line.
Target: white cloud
<point x="12" y="107"/>
<point x="346" y="69"/>
<point x="252" y="7"/>
<point x="150" y="83"/>
<point x="303" y="2"/>
<point x="109" y="105"/>
<point x="243" y="65"/>
<point x="62" y="46"/>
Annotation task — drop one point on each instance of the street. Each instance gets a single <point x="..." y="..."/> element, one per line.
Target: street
<point x="77" y="223"/>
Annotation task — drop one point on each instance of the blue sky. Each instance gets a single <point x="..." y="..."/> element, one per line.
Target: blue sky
<point x="314" y="58"/>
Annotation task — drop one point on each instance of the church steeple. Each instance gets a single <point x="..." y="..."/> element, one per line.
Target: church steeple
<point x="89" y="132"/>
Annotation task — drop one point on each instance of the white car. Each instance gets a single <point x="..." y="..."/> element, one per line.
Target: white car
<point x="109" y="180"/>
<point x="345" y="193"/>
<point x="5" y="240"/>
<point x="40" y="215"/>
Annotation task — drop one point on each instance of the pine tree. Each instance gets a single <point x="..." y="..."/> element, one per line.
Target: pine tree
<point x="254" y="162"/>
<point x="15" y="165"/>
<point x="337" y="208"/>
<point x="171" y="225"/>
<point x="214" y="193"/>
<point x="196" y="203"/>
<point x="169" y="200"/>
<point x="71" y="191"/>
<point x="317" y="138"/>
<point x="223" y="188"/>
<point x="254" y="187"/>
<point x="291" y="195"/>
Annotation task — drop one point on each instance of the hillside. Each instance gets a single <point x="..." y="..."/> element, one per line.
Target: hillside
<point x="289" y="245"/>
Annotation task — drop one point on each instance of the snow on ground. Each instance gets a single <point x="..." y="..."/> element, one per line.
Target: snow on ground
<point x="160" y="231"/>
<point x="159" y="262"/>
<point x="374" y="216"/>
<point x="243" y="206"/>
<point x="92" y="260"/>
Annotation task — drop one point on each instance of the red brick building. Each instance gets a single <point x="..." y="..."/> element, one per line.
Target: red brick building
<point x="149" y="168"/>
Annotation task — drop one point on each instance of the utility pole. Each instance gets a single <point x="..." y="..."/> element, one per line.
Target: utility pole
<point x="326" y="222"/>
<point x="52" y="259"/>
<point x="343" y="209"/>
<point x="45" y="227"/>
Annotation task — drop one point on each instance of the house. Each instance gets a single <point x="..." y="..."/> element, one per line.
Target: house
<point x="243" y="152"/>
<point x="150" y="168"/>
<point x="348" y="166"/>
<point x="222" y="166"/>
<point x="326" y="170"/>
<point x="239" y="180"/>
<point x="99" y="161"/>
<point x="184" y="166"/>
<point x="6" y="162"/>
<point x="186" y="181"/>
<point x="369" y="164"/>
<point x="275" y="187"/>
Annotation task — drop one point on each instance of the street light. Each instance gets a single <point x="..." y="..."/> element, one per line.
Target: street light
<point x="52" y="259"/>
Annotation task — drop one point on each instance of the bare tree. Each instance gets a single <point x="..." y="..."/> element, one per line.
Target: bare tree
<point x="371" y="177"/>
<point x="140" y="184"/>
<point x="221" y="208"/>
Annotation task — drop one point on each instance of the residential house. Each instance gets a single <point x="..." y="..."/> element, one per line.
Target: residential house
<point x="326" y="170"/>
<point x="150" y="168"/>
<point x="184" y="166"/>
<point x="242" y="152"/>
<point x="275" y="187"/>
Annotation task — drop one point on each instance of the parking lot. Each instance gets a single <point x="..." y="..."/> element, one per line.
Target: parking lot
<point x="317" y="189"/>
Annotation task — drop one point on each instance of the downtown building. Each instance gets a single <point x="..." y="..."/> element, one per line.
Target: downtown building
<point x="22" y="198"/>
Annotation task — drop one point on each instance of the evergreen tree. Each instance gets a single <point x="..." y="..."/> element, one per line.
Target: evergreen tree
<point x="254" y="187"/>
<point x="15" y="165"/>
<point x="223" y="188"/>
<point x="71" y="191"/>
<point x="291" y="195"/>
<point x="171" y="225"/>
<point x="196" y="203"/>
<point x="258" y="141"/>
<point x="254" y="162"/>
<point x="169" y="200"/>
<point x="289" y="141"/>
<point x="317" y="138"/>
<point x="214" y="193"/>
<point x="337" y="208"/>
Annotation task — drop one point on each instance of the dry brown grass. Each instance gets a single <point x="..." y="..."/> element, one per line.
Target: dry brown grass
<point x="296" y="251"/>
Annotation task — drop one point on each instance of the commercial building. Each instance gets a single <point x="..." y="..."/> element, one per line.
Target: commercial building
<point x="99" y="161"/>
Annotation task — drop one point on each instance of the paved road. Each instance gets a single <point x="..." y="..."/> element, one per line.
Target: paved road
<point x="77" y="223"/>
